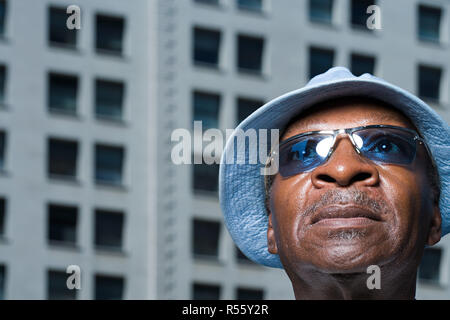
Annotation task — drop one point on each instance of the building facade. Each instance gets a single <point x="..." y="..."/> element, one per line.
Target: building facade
<point x="76" y="180"/>
<point x="87" y="116"/>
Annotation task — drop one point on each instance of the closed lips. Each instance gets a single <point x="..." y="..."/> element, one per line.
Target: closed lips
<point x="344" y="212"/>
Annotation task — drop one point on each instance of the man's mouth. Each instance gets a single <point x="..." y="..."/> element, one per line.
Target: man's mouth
<point x="344" y="215"/>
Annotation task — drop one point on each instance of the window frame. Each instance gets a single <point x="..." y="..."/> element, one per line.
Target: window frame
<point x="52" y="43"/>
<point x="123" y="173"/>
<point x="59" y="110"/>
<point x="423" y="38"/>
<point x="123" y="41"/>
<point x="194" y="35"/>
<point x="76" y="160"/>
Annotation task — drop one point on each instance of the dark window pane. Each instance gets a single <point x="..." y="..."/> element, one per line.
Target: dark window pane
<point x="250" y="53"/>
<point x="2" y="282"/>
<point x="429" y="83"/>
<point x="249" y="294"/>
<point x="62" y="223"/>
<point x="320" y="61"/>
<point x="359" y="12"/>
<point x="2" y="150"/>
<point x="62" y="157"/>
<point x="63" y="93"/>
<point x="58" y="31"/>
<point x="3" y="8"/>
<point x="429" y="23"/>
<point x="205" y="292"/>
<point x="109" y="36"/>
<point x="109" y="99"/>
<point x="247" y="107"/>
<point x="2" y="215"/>
<point x="206" y="46"/>
<point x="206" y="177"/>
<point x="2" y="84"/>
<point x="213" y="2"/>
<point x="255" y="5"/>
<point x="108" y="164"/>
<point x="108" y="229"/>
<point x="206" y="109"/>
<point x="109" y="288"/>
<point x="430" y="266"/>
<point x="321" y="11"/>
<point x="362" y="64"/>
<point x="206" y="238"/>
<point x="57" y="286"/>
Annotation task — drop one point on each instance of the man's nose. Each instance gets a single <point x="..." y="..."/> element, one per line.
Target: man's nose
<point x="345" y="167"/>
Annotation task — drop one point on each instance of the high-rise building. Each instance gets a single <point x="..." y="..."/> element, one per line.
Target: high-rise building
<point x="78" y="124"/>
<point x="86" y="118"/>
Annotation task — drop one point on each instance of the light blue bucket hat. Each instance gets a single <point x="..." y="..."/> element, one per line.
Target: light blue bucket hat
<point x="241" y="186"/>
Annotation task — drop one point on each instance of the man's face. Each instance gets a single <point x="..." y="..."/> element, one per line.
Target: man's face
<point x="318" y="219"/>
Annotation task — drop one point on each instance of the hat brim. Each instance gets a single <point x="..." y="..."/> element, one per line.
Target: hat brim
<point x="241" y="186"/>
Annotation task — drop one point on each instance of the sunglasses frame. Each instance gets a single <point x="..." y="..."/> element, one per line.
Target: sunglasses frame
<point x="349" y="132"/>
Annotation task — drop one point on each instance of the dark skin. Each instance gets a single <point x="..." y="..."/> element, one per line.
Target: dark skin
<point x="328" y="259"/>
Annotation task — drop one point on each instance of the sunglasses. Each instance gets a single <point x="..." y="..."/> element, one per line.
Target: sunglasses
<point x="380" y="143"/>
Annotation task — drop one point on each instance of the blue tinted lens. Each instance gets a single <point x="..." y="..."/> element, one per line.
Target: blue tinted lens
<point x="303" y="154"/>
<point x="387" y="145"/>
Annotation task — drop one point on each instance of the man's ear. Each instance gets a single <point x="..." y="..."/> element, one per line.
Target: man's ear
<point x="271" y="243"/>
<point x="434" y="233"/>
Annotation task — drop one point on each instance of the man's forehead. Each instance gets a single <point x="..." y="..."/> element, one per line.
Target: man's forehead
<point x="346" y="113"/>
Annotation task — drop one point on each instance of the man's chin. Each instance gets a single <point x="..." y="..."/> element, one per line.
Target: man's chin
<point x="345" y="258"/>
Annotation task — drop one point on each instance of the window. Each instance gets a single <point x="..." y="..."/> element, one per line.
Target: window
<point x="108" y="229"/>
<point x="321" y="11"/>
<point x="205" y="240"/>
<point x="250" y="53"/>
<point x="205" y="292"/>
<point x="429" y="23"/>
<point x="62" y="224"/>
<point x="245" y="107"/>
<point x="2" y="84"/>
<point x="359" y="13"/>
<point x="320" y="60"/>
<point x="109" y="99"/>
<point x="2" y="150"/>
<point x="429" y="83"/>
<point x="62" y="90"/>
<point x="206" y="177"/>
<point x="2" y="282"/>
<point x="249" y="294"/>
<point x="110" y="33"/>
<point x="58" y="33"/>
<point x="361" y="64"/>
<point x="3" y="8"/>
<point x="2" y="216"/>
<point x="429" y="268"/>
<point x="62" y="158"/>
<point x="206" y="109"/>
<point x="109" y="288"/>
<point x="254" y="5"/>
<point x="206" y="47"/>
<point x="109" y="164"/>
<point x="213" y="2"/>
<point x="57" y="287"/>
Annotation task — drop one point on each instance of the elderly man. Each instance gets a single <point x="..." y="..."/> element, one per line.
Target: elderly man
<point x="362" y="181"/>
